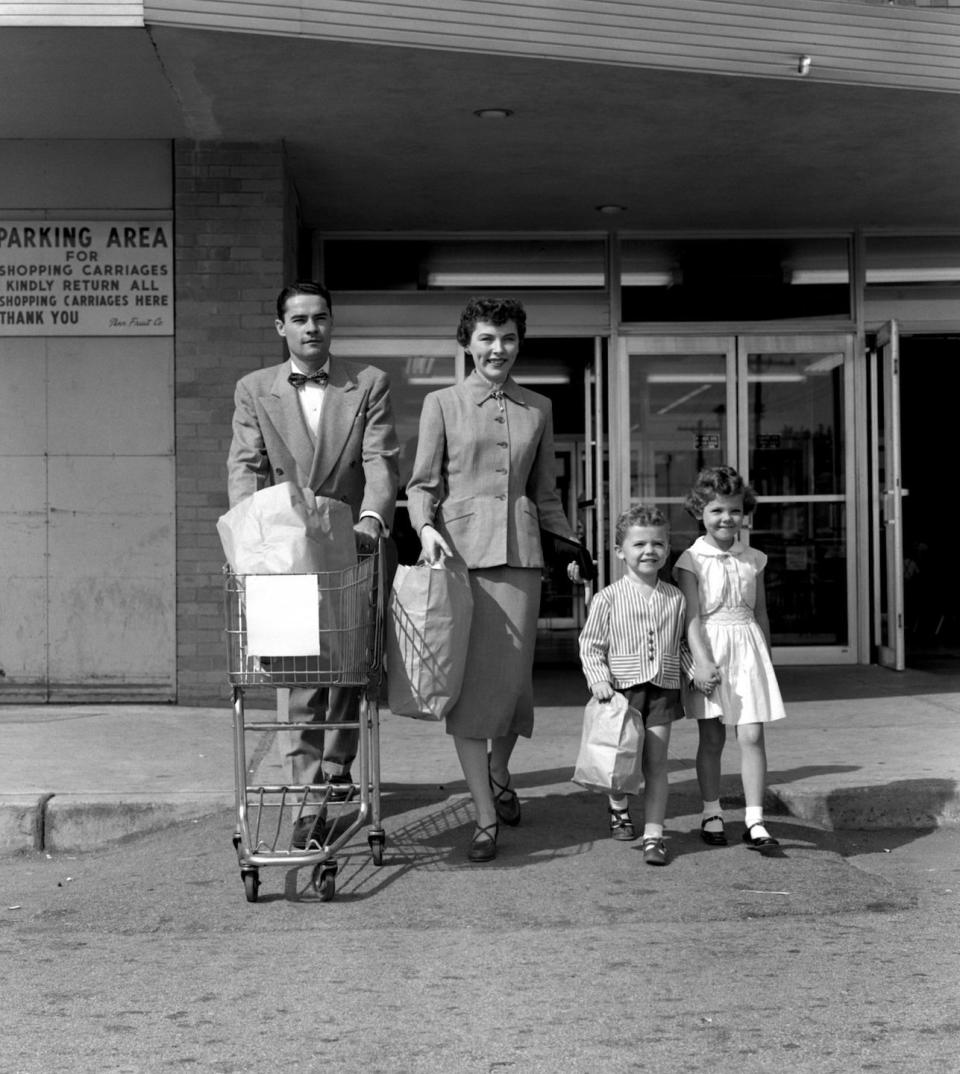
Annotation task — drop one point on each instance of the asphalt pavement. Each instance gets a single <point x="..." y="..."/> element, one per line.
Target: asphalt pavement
<point x="861" y="748"/>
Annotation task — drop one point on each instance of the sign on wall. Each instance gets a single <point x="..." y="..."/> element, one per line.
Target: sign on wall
<point x="93" y="278"/>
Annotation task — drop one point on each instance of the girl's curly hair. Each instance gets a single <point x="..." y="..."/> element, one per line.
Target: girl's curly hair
<point x="714" y="481"/>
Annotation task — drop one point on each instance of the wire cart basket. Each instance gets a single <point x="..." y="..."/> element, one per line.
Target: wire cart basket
<point x="344" y="625"/>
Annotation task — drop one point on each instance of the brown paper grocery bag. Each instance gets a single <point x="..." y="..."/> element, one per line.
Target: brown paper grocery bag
<point x="611" y="747"/>
<point x="428" y="635"/>
<point x="285" y="529"/>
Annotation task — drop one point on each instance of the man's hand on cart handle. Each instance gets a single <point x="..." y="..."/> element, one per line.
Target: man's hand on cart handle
<point x="367" y="534"/>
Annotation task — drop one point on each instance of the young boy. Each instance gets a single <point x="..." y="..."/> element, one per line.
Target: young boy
<point x="631" y="643"/>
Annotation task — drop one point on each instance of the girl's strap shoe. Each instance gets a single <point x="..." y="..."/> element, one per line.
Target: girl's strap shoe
<point x="760" y="842"/>
<point x="713" y="839"/>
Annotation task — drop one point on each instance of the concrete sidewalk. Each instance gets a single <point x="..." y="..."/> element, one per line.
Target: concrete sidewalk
<point x="862" y="747"/>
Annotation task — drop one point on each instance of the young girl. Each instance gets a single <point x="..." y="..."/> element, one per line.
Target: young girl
<point x="729" y="637"/>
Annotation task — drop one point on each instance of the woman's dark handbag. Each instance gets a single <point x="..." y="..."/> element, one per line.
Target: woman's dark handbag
<point x="558" y="551"/>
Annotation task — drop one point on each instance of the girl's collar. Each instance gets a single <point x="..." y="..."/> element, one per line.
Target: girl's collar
<point x="704" y="547"/>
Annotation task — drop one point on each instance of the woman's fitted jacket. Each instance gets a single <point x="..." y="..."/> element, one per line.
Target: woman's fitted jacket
<point x="486" y="478"/>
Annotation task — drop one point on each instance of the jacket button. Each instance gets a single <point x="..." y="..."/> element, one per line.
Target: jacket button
<point x="279" y="473"/>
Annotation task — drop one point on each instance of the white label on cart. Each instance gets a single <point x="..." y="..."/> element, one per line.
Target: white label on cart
<point x="283" y="615"/>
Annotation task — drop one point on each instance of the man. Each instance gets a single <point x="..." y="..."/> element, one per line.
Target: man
<point x="327" y="425"/>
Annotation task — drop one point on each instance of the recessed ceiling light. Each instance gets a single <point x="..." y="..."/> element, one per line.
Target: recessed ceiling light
<point x="611" y="210"/>
<point x="493" y="113"/>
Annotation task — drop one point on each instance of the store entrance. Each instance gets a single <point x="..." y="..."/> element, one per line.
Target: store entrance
<point x="563" y="370"/>
<point x="928" y="367"/>
<point x="777" y="407"/>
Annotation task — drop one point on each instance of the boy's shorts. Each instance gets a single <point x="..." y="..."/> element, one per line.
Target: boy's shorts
<point x="659" y="707"/>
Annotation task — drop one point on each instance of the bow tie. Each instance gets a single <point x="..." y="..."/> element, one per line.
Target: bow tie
<point x="299" y="379"/>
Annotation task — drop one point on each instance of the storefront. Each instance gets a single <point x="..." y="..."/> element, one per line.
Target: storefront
<point x="735" y="232"/>
<point x="770" y="364"/>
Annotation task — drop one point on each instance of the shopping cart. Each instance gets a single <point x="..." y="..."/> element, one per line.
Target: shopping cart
<point x="337" y="637"/>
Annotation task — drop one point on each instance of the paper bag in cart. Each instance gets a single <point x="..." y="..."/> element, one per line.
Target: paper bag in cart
<point x="611" y="747"/>
<point x="285" y="529"/>
<point x="296" y="627"/>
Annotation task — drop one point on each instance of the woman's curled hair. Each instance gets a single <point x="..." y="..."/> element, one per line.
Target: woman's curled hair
<point x="491" y="311"/>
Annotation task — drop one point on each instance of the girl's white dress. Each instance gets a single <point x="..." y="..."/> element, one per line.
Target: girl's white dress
<point x="727" y="584"/>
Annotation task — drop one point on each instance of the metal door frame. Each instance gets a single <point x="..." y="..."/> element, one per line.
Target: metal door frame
<point x="886" y="502"/>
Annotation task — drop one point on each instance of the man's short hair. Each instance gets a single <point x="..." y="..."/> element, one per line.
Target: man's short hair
<point x="302" y="287"/>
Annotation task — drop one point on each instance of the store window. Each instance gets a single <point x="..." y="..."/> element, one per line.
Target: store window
<point x="688" y="280"/>
<point x="383" y="264"/>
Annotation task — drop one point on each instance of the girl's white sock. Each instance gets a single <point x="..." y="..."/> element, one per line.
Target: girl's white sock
<point x="753" y="815"/>
<point x="652" y="831"/>
<point x="620" y="804"/>
<point x="712" y="809"/>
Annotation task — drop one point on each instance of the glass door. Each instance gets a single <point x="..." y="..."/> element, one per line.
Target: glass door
<point x="778" y="408"/>
<point x="416" y="367"/>
<point x="887" y="494"/>
<point x="676" y="414"/>
<point x="795" y="407"/>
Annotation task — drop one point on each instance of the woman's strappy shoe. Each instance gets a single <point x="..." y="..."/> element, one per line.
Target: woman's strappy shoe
<point x="621" y="826"/>
<point x="483" y="846"/>
<point x="505" y="800"/>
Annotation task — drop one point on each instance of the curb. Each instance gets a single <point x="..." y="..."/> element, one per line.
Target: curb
<point x="82" y="822"/>
<point x="915" y="804"/>
<point x="77" y="822"/>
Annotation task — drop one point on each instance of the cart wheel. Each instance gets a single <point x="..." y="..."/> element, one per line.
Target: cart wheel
<point x="376" y="841"/>
<point x="251" y="884"/>
<point x="325" y="882"/>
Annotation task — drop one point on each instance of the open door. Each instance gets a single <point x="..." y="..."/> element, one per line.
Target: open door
<point x="887" y="499"/>
<point x="593" y="505"/>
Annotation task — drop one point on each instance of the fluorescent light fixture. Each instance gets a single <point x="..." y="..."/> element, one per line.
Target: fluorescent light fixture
<point x="541" y="378"/>
<point x="434" y="379"/>
<point x="466" y="280"/>
<point x="929" y="274"/>
<point x="818" y="276"/>
<point x="647" y="279"/>
<point x="916" y="274"/>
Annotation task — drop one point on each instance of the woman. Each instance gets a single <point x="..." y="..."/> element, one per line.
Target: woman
<point x="483" y="485"/>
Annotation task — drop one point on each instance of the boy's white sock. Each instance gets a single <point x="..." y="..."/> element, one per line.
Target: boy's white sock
<point x="619" y="804"/>
<point x="652" y="831"/>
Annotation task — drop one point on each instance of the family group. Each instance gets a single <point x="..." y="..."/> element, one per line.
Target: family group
<point x="482" y="488"/>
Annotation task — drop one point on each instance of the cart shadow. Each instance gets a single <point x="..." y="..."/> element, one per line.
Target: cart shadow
<point x="434" y="837"/>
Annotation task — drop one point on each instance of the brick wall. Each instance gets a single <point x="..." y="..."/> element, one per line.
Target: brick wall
<point x="232" y="213"/>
